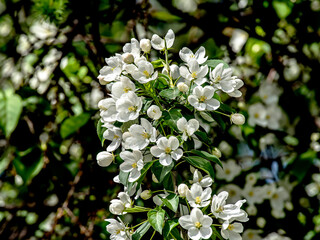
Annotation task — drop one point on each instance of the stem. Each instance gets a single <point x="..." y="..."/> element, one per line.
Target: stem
<point x="217" y="225"/>
<point x="179" y="163"/>
<point x="163" y="191"/>
<point x="139" y="224"/>
<point x="227" y="115"/>
<point x="153" y="234"/>
<point x="163" y="129"/>
<point x="188" y="206"/>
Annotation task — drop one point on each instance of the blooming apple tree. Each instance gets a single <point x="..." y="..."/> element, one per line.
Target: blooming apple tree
<point x="154" y="124"/>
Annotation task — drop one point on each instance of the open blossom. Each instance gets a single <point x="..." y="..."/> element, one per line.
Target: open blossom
<point x="197" y="224"/>
<point x="257" y="115"/>
<point x="133" y="48"/>
<point x="104" y="158"/>
<point x="133" y="163"/>
<point x="174" y="71"/>
<point x="138" y="137"/>
<point x="202" y="98"/>
<point x="166" y="150"/>
<point x="197" y="197"/>
<point x="205" y="181"/>
<point x="124" y="86"/>
<point x="229" y="171"/>
<point x="186" y="55"/>
<point x="112" y="71"/>
<point x="154" y="112"/>
<point x="194" y="71"/>
<point x="118" y="206"/>
<point x="159" y="44"/>
<point x="145" y="72"/>
<point x="114" y="135"/>
<point x="188" y="128"/>
<point x="128" y="107"/>
<point x="221" y="79"/>
<point x="108" y="111"/>
<point x="145" y="45"/>
<point x="231" y="231"/>
<point x="117" y="229"/>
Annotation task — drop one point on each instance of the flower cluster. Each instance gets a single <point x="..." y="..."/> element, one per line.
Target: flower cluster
<point x="156" y="119"/>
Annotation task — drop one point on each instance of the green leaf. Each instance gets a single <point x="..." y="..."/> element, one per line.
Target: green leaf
<point x="206" y="116"/>
<point x="202" y="164"/>
<point x="10" y="111"/>
<point x="168" y="226"/>
<point x="176" y="234"/>
<point x="156" y="219"/>
<point x="171" y="117"/>
<point x="137" y="209"/>
<point x="138" y="234"/>
<point x="216" y="233"/>
<point x="157" y="63"/>
<point x="282" y="8"/>
<point x="161" y="171"/>
<point x="214" y="62"/>
<point x="100" y="131"/>
<point x="203" y="137"/>
<point x="171" y="201"/>
<point x="207" y="156"/>
<point x="170" y="93"/>
<point x="217" y="117"/>
<point x="73" y="124"/>
<point x="165" y="16"/>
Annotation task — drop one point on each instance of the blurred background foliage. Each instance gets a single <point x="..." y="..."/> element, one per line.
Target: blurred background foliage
<point x="51" y="51"/>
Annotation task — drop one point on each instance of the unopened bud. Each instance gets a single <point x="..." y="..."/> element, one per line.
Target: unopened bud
<point x="128" y="58"/>
<point x="216" y="152"/>
<point x="182" y="190"/>
<point x="182" y="87"/>
<point x="104" y="159"/>
<point x="145" y="45"/>
<point x="154" y="178"/>
<point x="237" y="118"/>
<point x="146" y="194"/>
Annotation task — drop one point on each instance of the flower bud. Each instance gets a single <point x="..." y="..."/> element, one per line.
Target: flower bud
<point x="154" y="112"/>
<point x="261" y="222"/>
<point x="154" y="178"/>
<point x="146" y="194"/>
<point x="128" y="58"/>
<point x="182" y="87"/>
<point x="216" y="152"/>
<point x="237" y="118"/>
<point x="182" y="190"/>
<point x="145" y="45"/>
<point x="104" y="158"/>
<point x="116" y="207"/>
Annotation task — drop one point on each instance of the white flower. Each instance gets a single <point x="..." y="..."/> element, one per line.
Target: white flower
<point x="108" y="110"/>
<point x="275" y="236"/>
<point x="222" y="79"/>
<point x="197" y="197"/>
<point x="160" y="44"/>
<point x="145" y="72"/>
<point x="273" y="117"/>
<point x="117" y="229"/>
<point x="124" y="86"/>
<point x="234" y="192"/>
<point x="133" y="163"/>
<point x="114" y="135"/>
<point x="257" y="115"/>
<point x="187" y="128"/>
<point x="237" y="118"/>
<point x="154" y="112"/>
<point x="230" y="170"/>
<point x="166" y="150"/>
<point x="194" y="71"/>
<point x="269" y="92"/>
<point x="112" y="71"/>
<point x="205" y="181"/>
<point x="145" y="45"/>
<point x="118" y="206"/>
<point x="251" y="234"/>
<point x="104" y="158"/>
<point x="202" y="99"/>
<point x="253" y="194"/>
<point x="182" y="87"/>
<point x="128" y="107"/>
<point x="133" y="48"/>
<point x="197" y="224"/>
<point x="231" y="231"/>
<point x="186" y="55"/>
<point x="43" y="30"/>
<point x="183" y="189"/>
<point x="138" y="137"/>
<point x="128" y="58"/>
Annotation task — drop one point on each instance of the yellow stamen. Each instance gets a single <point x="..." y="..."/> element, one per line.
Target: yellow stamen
<point x="115" y="137"/>
<point x="198" y="200"/>
<point x="194" y="75"/>
<point x="167" y="150"/>
<point x="231" y="227"/>
<point x="256" y="115"/>
<point x="217" y="79"/>
<point x="202" y="98"/>
<point x="126" y="89"/>
<point x="134" y="165"/>
<point x="145" y="72"/>
<point x="227" y="171"/>
<point x="145" y="135"/>
<point x="132" y="108"/>
<point x="198" y="225"/>
<point x="275" y="196"/>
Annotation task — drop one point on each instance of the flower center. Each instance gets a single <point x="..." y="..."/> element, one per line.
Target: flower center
<point x="275" y="196"/>
<point x="251" y="193"/>
<point x="145" y="72"/>
<point x="127" y="89"/>
<point x="198" y="200"/>
<point x="145" y="135"/>
<point x="268" y="117"/>
<point x="217" y="79"/>
<point x="167" y="150"/>
<point x="227" y="171"/>
<point x="231" y="227"/>
<point x="194" y="75"/>
<point x="132" y="108"/>
<point x="256" y="115"/>
<point x="134" y="165"/>
<point x="115" y="136"/>
<point x="202" y="98"/>
<point x="198" y="225"/>
<point x="192" y="56"/>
